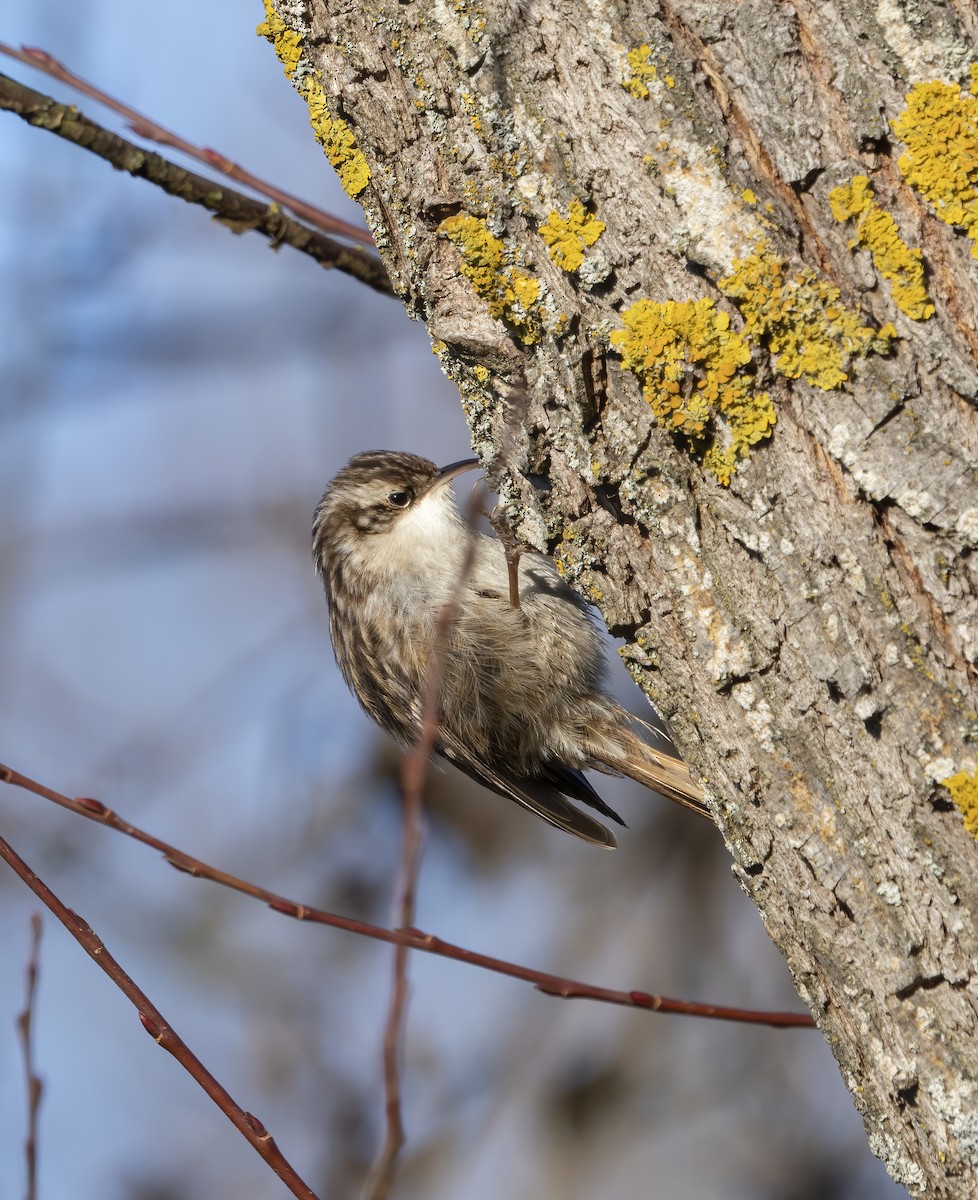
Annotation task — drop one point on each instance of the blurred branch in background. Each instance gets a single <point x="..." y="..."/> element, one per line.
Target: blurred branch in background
<point x="233" y="209"/>
<point x="146" y="128"/>
<point x="414" y="939"/>
<point x="25" y="1028"/>
<point x="158" y="1029"/>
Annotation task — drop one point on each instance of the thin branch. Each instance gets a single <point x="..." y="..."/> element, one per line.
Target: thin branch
<point x="156" y="1026"/>
<point x="381" y="1175"/>
<point x="414" y="939"/>
<point x="25" y="1028"/>
<point x="238" y="212"/>
<point x="149" y="129"/>
<point x="414" y="769"/>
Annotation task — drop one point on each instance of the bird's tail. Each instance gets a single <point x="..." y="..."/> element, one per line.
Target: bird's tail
<point x="618" y="751"/>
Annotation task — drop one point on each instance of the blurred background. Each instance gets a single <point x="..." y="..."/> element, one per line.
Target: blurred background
<point x="172" y="402"/>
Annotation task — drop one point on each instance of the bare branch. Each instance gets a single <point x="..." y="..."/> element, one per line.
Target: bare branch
<point x="414" y="939"/>
<point x="25" y="1028"/>
<point x="159" y="1030"/>
<point x="145" y="127"/>
<point x="238" y="212"/>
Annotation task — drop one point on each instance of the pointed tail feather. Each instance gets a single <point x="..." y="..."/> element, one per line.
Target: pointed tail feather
<point x="623" y="753"/>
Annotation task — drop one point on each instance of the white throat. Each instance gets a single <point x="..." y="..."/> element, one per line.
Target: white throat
<point x="424" y="546"/>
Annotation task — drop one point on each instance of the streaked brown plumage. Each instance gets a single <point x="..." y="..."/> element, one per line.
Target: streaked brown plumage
<point x="522" y="707"/>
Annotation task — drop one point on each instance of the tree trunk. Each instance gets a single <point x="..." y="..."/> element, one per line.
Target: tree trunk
<point x="671" y="255"/>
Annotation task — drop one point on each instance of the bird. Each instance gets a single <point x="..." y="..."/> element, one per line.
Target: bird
<point x="522" y="702"/>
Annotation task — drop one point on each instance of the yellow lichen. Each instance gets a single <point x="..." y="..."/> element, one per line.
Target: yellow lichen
<point x="642" y="72"/>
<point x="691" y="366"/>
<point x="939" y="127"/>
<point x="470" y="106"/>
<point x="336" y="138"/>
<point x="964" y="792"/>
<point x="801" y="319"/>
<point x="333" y="134"/>
<point x="748" y="197"/>
<point x="568" y="237"/>
<point x="557" y="324"/>
<point x="288" y="45"/>
<point x="900" y="265"/>
<point x="508" y="290"/>
<point x="472" y="19"/>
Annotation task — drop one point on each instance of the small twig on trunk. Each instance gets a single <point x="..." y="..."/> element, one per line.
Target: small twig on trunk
<point x="513" y="551"/>
<point x="153" y="1022"/>
<point x="25" y="1028"/>
<point x="149" y="129"/>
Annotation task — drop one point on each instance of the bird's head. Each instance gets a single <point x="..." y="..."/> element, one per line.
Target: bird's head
<point x="385" y="504"/>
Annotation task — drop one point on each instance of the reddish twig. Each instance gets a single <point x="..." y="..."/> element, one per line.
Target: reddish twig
<point x="414" y="939"/>
<point x="414" y="770"/>
<point x="156" y="1026"/>
<point x="25" y="1028"/>
<point x="146" y="128"/>
<point x="235" y="210"/>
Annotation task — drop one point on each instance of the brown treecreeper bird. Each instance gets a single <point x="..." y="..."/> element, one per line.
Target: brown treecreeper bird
<point x="522" y="706"/>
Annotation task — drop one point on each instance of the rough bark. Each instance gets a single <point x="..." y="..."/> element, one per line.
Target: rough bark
<point x="799" y="602"/>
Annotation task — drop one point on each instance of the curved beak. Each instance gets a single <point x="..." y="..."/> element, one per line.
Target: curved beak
<point x="447" y="474"/>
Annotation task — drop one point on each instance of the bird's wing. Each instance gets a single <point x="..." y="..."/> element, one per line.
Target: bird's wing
<point x="574" y="783"/>
<point x="541" y="796"/>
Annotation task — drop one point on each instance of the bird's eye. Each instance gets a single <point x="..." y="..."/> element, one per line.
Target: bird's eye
<point x="399" y="499"/>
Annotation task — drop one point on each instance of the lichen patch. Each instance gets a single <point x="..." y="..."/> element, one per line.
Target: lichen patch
<point x="693" y="370"/>
<point x="332" y="133"/>
<point x="963" y="787"/>
<point x="900" y="265"/>
<point x="287" y="43"/>
<point x="939" y="127"/>
<point x="336" y="139"/>
<point x="640" y="71"/>
<point x="567" y="238"/>
<point x="801" y="319"/>
<point x="510" y="292"/>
